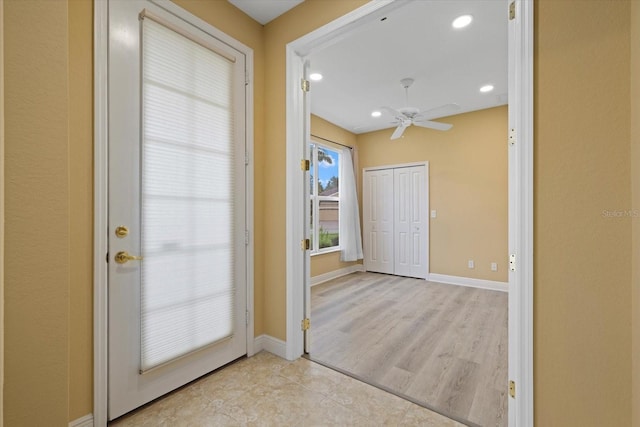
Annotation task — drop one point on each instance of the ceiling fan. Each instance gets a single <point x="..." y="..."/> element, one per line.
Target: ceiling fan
<point x="407" y="116"/>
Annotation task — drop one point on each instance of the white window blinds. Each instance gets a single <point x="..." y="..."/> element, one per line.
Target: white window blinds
<point x="187" y="212"/>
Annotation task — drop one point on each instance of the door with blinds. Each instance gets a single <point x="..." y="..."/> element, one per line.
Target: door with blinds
<point x="177" y="255"/>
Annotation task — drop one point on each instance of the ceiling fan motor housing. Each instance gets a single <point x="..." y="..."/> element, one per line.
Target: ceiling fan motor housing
<point x="406" y="82"/>
<point x="409" y="111"/>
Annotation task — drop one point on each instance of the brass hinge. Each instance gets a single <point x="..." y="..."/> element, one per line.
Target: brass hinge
<point x="304" y="165"/>
<point x="512" y="137"/>
<point x="305" y="244"/>
<point x="306" y="324"/>
<point x="512" y="11"/>
<point x="305" y="85"/>
<point x="512" y="262"/>
<point x="512" y="389"/>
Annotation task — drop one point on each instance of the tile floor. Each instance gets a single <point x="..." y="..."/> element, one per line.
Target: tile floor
<point x="266" y="390"/>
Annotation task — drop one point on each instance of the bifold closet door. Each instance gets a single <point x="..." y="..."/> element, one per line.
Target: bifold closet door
<point x="410" y="222"/>
<point x="396" y="225"/>
<point x="378" y="220"/>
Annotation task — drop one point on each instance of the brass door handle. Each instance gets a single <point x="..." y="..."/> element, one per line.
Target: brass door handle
<point x="123" y="257"/>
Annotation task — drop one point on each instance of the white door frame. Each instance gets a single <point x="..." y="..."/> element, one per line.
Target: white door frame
<point x="520" y="189"/>
<point x="100" y="241"/>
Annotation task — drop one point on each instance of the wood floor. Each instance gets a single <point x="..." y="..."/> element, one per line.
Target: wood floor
<point x="443" y="346"/>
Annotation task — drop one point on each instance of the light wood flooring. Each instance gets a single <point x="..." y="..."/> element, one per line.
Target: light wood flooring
<point x="443" y="346"/>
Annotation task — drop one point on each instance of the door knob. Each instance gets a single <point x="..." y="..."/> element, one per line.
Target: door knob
<point x="122" y="231"/>
<point x="123" y="257"/>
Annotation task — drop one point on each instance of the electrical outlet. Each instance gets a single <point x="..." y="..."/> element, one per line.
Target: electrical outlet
<point x="434" y="213"/>
<point x="471" y="264"/>
<point x="494" y="266"/>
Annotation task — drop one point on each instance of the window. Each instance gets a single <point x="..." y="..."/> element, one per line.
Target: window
<point x="324" y="198"/>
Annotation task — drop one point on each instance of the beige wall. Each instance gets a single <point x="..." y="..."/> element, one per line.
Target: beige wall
<point x="81" y="208"/>
<point x="467" y="187"/>
<point x="299" y="21"/>
<point x="582" y="259"/>
<point x="326" y="263"/>
<point x="1" y="213"/>
<point x="635" y="189"/>
<point x="583" y="263"/>
<point x="37" y="209"/>
<point x="50" y="186"/>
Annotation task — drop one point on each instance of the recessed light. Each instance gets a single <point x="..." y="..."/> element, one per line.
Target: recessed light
<point x="462" y="21"/>
<point x="376" y="114"/>
<point x="315" y="76"/>
<point x="486" y="88"/>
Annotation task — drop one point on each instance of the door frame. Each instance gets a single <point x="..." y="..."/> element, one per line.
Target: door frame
<point x="520" y="33"/>
<point x="101" y="169"/>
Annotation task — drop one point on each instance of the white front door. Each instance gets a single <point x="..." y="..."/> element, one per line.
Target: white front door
<point x="410" y="222"/>
<point x="177" y="255"/>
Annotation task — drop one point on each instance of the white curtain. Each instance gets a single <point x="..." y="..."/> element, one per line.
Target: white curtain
<point x="350" y="238"/>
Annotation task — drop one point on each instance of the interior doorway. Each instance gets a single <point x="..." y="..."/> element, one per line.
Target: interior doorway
<point x="520" y="200"/>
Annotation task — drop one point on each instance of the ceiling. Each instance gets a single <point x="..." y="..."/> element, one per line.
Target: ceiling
<point x="265" y="11"/>
<point x="362" y="71"/>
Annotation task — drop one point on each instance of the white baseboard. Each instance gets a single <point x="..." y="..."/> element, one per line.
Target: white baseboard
<point x="270" y="344"/>
<point x="467" y="281"/>
<point x="86" y="421"/>
<point x="316" y="280"/>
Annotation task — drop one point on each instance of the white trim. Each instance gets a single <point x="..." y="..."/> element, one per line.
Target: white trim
<point x="340" y="28"/>
<point x="396" y="166"/>
<point x="295" y="50"/>
<point x="249" y="195"/>
<point x="100" y="193"/>
<point x="321" y="278"/>
<point x="270" y="344"/>
<point x="86" y="421"/>
<point x="294" y="207"/>
<point x="470" y="282"/>
<point x="520" y="191"/>
<point x="332" y="250"/>
<point x="521" y="214"/>
<point x="101" y="39"/>
<point x="2" y="215"/>
<point x="203" y="25"/>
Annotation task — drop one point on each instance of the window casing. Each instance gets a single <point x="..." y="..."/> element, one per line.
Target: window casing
<point x="324" y="196"/>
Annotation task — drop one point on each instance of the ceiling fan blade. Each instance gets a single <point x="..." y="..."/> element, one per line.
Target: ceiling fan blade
<point x="433" y="125"/>
<point x="399" y="131"/>
<point x="441" y="111"/>
<point x="393" y="112"/>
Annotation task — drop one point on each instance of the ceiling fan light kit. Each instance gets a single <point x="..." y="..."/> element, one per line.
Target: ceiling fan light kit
<point x="407" y="116"/>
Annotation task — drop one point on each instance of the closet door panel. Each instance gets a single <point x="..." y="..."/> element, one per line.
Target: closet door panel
<point x="378" y="221"/>
<point x="410" y="226"/>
